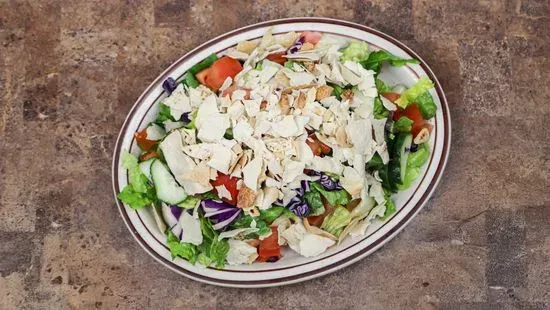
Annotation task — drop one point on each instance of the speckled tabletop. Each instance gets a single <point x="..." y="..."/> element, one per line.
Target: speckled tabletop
<point x="71" y="70"/>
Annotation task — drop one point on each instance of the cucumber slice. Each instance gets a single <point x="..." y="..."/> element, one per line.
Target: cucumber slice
<point x="167" y="188"/>
<point x="145" y="167"/>
<point x="399" y="156"/>
<point x="155" y="132"/>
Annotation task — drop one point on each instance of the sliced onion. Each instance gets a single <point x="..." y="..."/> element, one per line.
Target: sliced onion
<point x="225" y="223"/>
<point x="210" y="214"/>
<point x="169" y="216"/>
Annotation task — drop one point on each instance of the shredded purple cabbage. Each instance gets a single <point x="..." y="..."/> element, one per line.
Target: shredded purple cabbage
<point x="297" y="45"/>
<point x="327" y="182"/>
<point x="185" y="118"/>
<point x="176" y="211"/>
<point x="301" y="208"/>
<point x="169" y="85"/>
<point x="221" y="214"/>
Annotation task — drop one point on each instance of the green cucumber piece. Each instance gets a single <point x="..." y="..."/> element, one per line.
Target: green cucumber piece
<point x="145" y="167"/>
<point x="399" y="155"/>
<point x="167" y="188"/>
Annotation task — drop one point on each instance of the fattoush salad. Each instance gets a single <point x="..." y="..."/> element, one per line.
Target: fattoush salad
<point x="290" y="140"/>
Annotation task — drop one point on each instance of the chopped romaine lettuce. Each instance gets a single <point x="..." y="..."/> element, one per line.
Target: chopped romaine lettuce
<point x="376" y="59"/>
<point x="420" y="157"/>
<point x="335" y="222"/>
<point x="245" y="221"/>
<point x="271" y="214"/>
<point x="408" y="96"/>
<point x="178" y="249"/>
<point x="164" y="114"/>
<point x="403" y="124"/>
<point x="133" y="199"/>
<point x="138" y="193"/>
<point x="315" y="203"/>
<point x="381" y="87"/>
<point x="426" y="105"/>
<point x="335" y="198"/>
<point x="190" y="202"/>
<point x="414" y="162"/>
<point x="379" y="111"/>
<point x="355" y="51"/>
<point x="215" y="250"/>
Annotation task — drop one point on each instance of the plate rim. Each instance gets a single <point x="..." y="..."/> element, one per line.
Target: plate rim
<point x="332" y="267"/>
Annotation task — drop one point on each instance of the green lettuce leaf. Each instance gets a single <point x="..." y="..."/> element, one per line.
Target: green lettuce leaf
<point x="271" y="214"/>
<point x="376" y="59"/>
<point x="335" y="198"/>
<point x="244" y="221"/>
<point x="356" y="51"/>
<point x="139" y="192"/>
<point x="164" y="114"/>
<point x="313" y="198"/>
<point x="403" y="124"/>
<point x="409" y="95"/>
<point x="390" y="206"/>
<point x="426" y="105"/>
<point x="190" y="202"/>
<point x="335" y="222"/>
<point x="375" y="163"/>
<point x="381" y="87"/>
<point x="215" y="250"/>
<point x="420" y="157"/>
<point x="379" y="111"/>
<point x="184" y="250"/>
<point x="133" y="199"/>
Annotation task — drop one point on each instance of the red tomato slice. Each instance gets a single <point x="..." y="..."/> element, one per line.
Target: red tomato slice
<point x="203" y="75"/>
<point x="230" y="184"/>
<point x="269" y="247"/>
<point x="413" y="113"/>
<point x="143" y="143"/>
<point x="311" y="36"/>
<point x="221" y="69"/>
<point x="391" y="96"/>
<point x="277" y="57"/>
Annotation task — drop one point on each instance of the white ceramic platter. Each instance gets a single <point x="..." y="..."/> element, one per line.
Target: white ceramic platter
<point x="291" y="268"/>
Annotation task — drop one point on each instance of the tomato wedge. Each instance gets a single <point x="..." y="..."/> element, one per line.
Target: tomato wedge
<point x="220" y="70"/>
<point x="277" y="57"/>
<point x="391" y="96"/>
<point x="230" y="184"/>
<point x="413" y="113"/>
<point x="269" y="249"/>
<point x="143" y="143"/>
<point x="203" y="75"/>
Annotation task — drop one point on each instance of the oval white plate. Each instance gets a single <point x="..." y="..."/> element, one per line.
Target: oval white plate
<point x="291" y="268"/>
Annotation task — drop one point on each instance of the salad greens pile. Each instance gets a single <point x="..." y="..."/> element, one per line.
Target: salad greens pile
<point x="294" y="140"/>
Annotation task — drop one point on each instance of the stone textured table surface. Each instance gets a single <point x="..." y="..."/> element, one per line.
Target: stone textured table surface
<point x="71" y="70"/>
